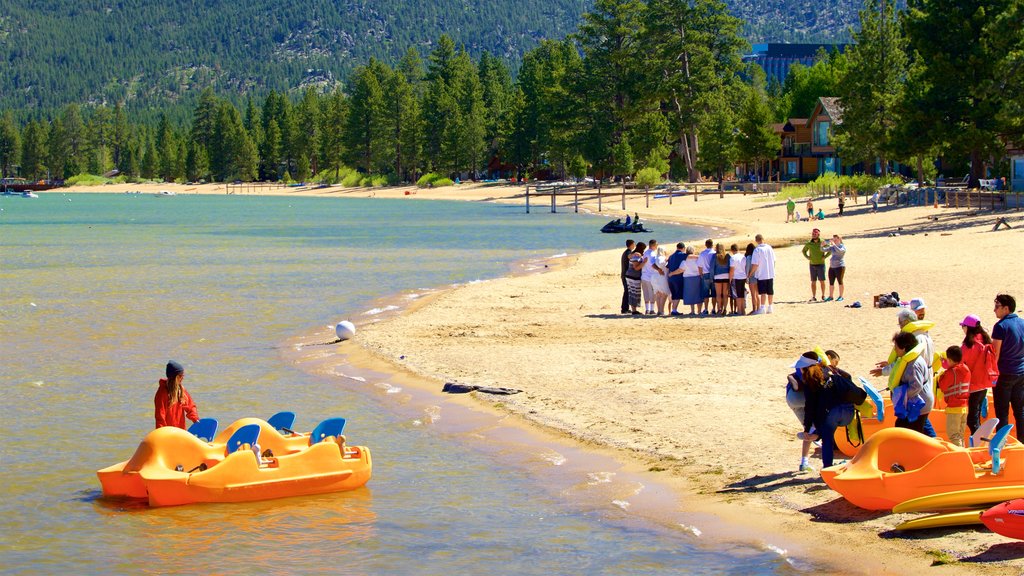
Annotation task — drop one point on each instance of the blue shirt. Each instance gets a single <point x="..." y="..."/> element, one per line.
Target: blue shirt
<point x="1011" y="354"/>
<point x="675" y="260"/>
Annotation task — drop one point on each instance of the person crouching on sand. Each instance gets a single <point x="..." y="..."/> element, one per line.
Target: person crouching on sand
<point x="172" y="402"/>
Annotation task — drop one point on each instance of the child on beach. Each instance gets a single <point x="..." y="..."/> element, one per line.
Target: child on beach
<point x="955" y="383"/>
<point x="172" y="402"/>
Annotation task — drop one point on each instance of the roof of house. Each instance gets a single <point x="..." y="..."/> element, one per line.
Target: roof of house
<point x="832" y="107"/>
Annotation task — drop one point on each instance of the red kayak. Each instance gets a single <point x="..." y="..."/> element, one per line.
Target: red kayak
<point x="1006" y="519"/>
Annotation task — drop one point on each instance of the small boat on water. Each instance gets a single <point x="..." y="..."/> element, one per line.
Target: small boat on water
<point x="616" y="227"/>
<point x="16" y="186"/>
<point x="250" y="460"/>
<point x="23" y="194"/>
<point x="165" y="193"/>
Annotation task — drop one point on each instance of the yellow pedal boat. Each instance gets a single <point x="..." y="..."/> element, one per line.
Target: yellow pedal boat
<point x="896" y="465"/>
<point x="172" y="466"/>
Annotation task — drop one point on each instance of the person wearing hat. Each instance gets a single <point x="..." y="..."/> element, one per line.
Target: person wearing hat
<point x="909" y="323"/>
<point x="919" y="307"/>
<point x="976" y="350"/>
<point x="797" y="401"/>
<point x="172" y="402"/>
<point x="816" y="257"/>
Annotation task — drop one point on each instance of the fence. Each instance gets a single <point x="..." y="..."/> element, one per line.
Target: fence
<point x="559" y="193"/>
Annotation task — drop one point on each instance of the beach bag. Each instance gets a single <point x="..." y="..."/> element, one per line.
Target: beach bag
<point x="907" y="408"/>
<point x="846" y="391"/>
<point x="991" y="366"/>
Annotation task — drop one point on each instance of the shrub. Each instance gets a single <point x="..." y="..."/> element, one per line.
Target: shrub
<point x="433" y="179"/>
<point x="648" y="177"/>
<point x="87" y="180"/>
<point x="352" y="178"/>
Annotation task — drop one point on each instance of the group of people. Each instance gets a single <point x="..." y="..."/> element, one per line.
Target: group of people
<point x="815" y="251"/>
<point x="963" y="374"/>
<point x="793" y="215"/>
<point x="713" y="282"/>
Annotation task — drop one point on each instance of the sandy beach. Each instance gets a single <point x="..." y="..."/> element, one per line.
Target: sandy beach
<point x="701" y="401"/>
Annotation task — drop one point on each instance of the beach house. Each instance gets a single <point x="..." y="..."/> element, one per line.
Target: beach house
<point x="1017" y="170"/>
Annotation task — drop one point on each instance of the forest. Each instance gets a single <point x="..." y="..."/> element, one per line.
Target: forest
<point x="161" y="54"/>
<point x="644" y="88"/>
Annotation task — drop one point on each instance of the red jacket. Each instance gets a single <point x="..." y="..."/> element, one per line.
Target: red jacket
<point x="168" y="414"/>
<point x="975" y="360"/>
<point x="955" y="384"/>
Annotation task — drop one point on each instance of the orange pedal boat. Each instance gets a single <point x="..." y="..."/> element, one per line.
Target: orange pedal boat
<point x="872" y="424"/>
<point x="172" y="466"/>
<point x="897" y="464"/>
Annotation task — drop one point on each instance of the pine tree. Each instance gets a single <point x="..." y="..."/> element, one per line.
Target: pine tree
<point x="33" y="151"/>
<point x="334" y="118"/>
<point x="119" y="135"/>
<point x="962" y="71"/>
<point x="166" y="150"/>
<point x="613" y="78"/>
<point x="756" y="140"/>
<point x="307" y="135"/>
<point x="695" y="55"/>
<point x="150" y="158"/>
<point x="364" y="134"/>
<point x="872" y="85"/>
<point x="73" y="134"/>
<point x="719" y="151"/>
<point x="10" y="144"/>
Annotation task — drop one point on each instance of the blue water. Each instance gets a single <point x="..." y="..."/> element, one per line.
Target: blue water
<point x="98" y="291"/>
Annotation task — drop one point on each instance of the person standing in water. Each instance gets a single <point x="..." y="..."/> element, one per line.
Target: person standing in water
<point x="172" y="402"/>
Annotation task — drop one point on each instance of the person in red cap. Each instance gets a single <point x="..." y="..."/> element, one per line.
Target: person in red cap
<point x="976" y="349"/>
<point x="173" y="403"/>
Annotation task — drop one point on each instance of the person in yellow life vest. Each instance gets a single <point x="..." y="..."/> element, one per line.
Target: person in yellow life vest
<point x="894" y="367"/>
<point x="913" y="398"/>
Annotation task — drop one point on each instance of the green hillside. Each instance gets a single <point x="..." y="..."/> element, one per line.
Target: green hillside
<point x="159" y="52"/>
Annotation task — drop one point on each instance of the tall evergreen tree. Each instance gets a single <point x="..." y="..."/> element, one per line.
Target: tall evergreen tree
<point x="695" y="52"/>
<point x="119" y="136"/>
<point x="720" y="151"/>
<point x="872" y="85"/>
<point x="33" y="150"/>
<point x="335" y="116"/>
<point x="366" y="136"/>
<point x="166" y="150"/>
<point x="756" y="140"/>
<point x="614" y="78"/>
<point x="962" y="71"/>
<point x="307" y="135"/>
<point x="10" y="144"/>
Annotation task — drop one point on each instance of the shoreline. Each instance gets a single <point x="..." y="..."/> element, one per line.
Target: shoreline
<point x="583" y="385"/>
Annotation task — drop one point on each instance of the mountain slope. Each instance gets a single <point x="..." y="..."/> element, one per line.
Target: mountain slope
<point x="158" y="51"/>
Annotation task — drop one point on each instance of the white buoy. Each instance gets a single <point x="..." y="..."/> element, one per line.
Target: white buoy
<point x="345" y="330"/>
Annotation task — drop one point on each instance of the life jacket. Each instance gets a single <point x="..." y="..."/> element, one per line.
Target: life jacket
<point x="913" y="327"/>
<point x="900" y="363"/>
